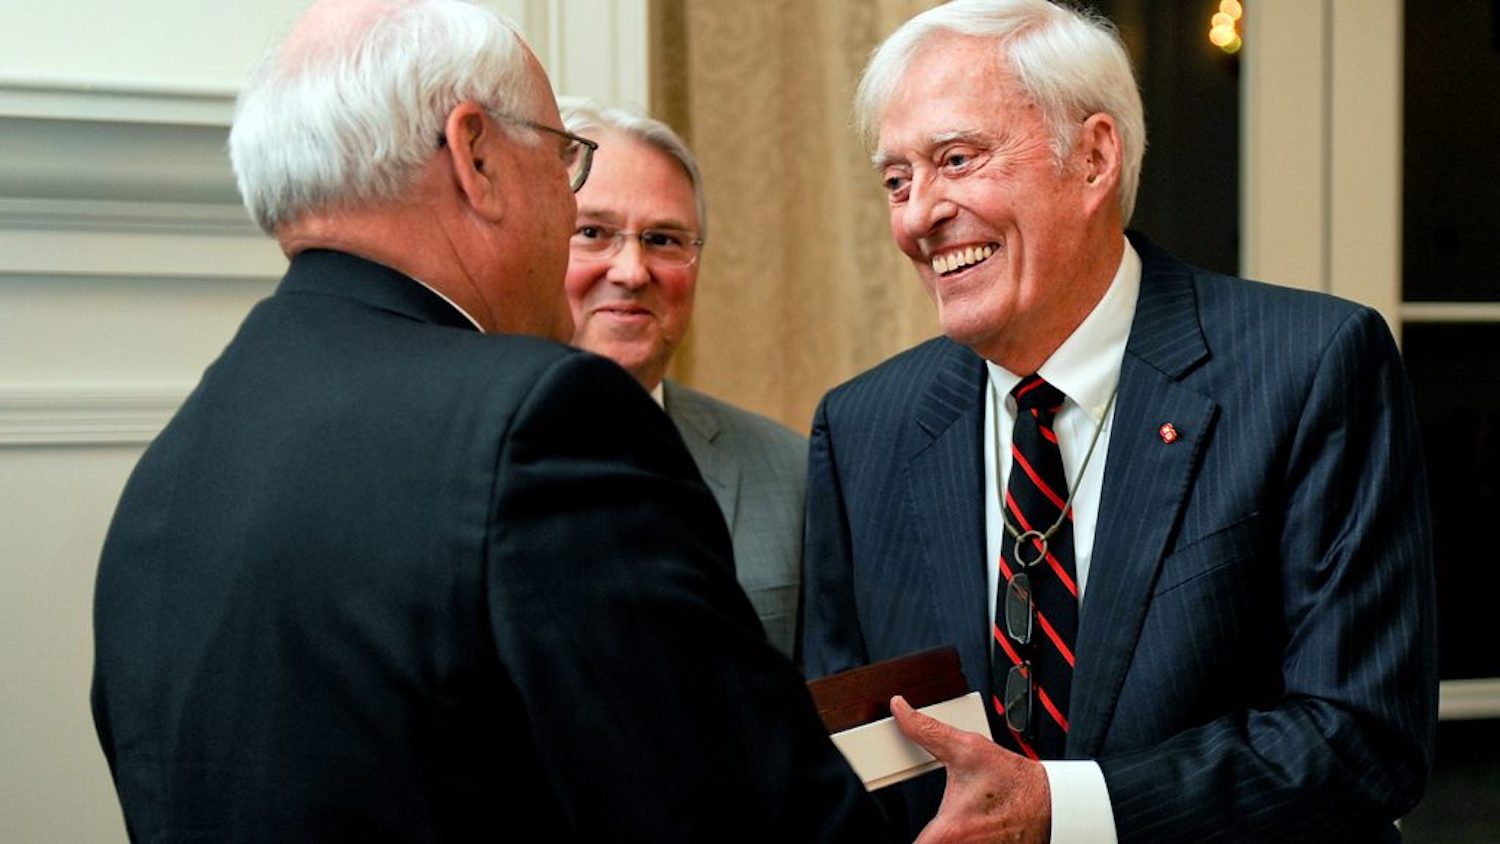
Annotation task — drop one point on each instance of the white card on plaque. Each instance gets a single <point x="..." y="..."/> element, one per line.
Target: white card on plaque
<point x="882" y="755"/>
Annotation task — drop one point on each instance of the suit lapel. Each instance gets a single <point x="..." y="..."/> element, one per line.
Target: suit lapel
<point x="946" y="490"/>
<point x="699" y="427"/>
<point x="1146" y="485"/>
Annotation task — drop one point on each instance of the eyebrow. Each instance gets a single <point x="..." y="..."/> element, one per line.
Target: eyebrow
<point x="609" y="218"/>
<point x="884" y="158"/>
<point x="598" y="215"/>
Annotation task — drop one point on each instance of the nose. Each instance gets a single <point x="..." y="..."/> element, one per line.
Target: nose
<point x="926" y="208"/>
<point x="628" y="267"/>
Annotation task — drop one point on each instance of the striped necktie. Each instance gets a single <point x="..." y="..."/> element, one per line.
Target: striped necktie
<point x="1036" y="610"/>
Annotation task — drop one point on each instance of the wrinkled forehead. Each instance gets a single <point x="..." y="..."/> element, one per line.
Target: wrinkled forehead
<point x="634" y="182"/>
<point x="953" y="87"/>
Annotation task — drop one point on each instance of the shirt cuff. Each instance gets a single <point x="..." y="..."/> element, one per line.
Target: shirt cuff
<point x="1081" y="811"/>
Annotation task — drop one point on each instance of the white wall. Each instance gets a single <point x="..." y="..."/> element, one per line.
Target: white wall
<point x="125" y="264"/>
<point x="1321" y="175"/>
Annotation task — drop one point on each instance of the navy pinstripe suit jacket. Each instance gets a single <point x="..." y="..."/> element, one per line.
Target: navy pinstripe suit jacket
<point x="1255" y="658"/>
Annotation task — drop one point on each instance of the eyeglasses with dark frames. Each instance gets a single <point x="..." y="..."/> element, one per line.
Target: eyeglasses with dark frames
<point x="578" y="155"/>
<point x="1020" y="623"/>
<point x="600" y="242"/>
<point x="1019" y="693"/>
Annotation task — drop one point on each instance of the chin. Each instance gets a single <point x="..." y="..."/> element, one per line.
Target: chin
<point x="622" y="353"/>
<point x="965" y="328"/>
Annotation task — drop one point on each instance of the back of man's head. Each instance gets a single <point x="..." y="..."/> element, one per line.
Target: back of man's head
<point x="347" y="109"/>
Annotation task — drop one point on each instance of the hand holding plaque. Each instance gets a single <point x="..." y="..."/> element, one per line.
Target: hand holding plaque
<point x="855" y="706"/>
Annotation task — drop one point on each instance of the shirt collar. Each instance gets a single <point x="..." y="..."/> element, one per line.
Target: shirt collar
<point x="1086" y="367"/>
<point x="455" y="305"/>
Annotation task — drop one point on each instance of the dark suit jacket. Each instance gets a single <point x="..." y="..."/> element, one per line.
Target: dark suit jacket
<point x="386" y="578"/>
<point x="757" y="470"/>
<point x="1255" y="654"/>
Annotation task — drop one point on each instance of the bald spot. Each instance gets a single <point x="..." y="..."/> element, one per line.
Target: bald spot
<point x="333" y="22"/>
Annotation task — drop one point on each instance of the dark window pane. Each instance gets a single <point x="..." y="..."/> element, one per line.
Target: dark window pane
<point x="1459" y="806"/>
<point x="1452" y="112"/>
<point x="1189" y="197"/>
<point x="1459" y="410"/>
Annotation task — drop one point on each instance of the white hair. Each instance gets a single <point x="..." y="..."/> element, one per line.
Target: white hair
<point x="353" y="119"/>
<point x="582" y="116"/>
<point x="1069" y="62"/>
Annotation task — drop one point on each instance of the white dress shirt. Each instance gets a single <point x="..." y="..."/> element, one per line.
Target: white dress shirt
<point x="1086" y="368"/>
<point x="455" y="305"/>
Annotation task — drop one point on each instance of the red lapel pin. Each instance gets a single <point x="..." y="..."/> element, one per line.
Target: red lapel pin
<point x="1168" y="433"/>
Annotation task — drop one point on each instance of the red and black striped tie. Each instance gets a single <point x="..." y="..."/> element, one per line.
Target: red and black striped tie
<point x="1036" y="493"/>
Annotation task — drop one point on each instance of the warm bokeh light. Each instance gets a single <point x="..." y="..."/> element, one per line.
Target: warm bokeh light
<point x="1224" y="27"/>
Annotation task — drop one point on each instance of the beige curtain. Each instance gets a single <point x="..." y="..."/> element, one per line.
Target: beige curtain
<point x="801" y="286"/>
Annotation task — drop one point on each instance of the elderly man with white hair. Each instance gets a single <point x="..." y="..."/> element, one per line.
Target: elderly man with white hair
<point x="1175" y="522"/>
<point x="387" y="576"/>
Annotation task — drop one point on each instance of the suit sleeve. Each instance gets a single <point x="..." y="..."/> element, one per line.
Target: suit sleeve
<point x="1343" y="746"/>
<point x="659" y="711"/>
<point x="831" y="637"/>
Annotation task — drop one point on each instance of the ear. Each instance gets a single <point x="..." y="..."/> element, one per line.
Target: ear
<point x="1099" y="156"/>
<point x="472" y="143"/>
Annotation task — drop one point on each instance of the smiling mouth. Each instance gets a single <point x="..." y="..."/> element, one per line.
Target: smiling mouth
<point x="623" y="310"/>
<point x="948" y="263"/>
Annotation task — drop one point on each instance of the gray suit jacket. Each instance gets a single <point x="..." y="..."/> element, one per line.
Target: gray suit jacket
<point x="757" y="471"/>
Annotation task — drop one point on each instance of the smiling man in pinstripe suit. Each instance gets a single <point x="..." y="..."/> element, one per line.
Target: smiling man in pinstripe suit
<point x="1242" y="496"/>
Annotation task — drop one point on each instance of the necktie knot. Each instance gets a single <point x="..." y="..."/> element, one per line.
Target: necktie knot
<point x="1035" y="394"/>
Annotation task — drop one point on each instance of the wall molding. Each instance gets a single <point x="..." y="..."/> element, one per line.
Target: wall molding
<point x="138" y="255"/>
<point x="116" y="100"/>
<point x="125" y="199"/>
<point x="1463" y="700"/>
<point x="121" y="216"/>
<point x="80" y="415"/>
<point x="1483" y="312"/>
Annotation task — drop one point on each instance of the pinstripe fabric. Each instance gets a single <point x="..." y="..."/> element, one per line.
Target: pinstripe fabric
<point x="757" y="470"/>
<point x="1254" y="655"/>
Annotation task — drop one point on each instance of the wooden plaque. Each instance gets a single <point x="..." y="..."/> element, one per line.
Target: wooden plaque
<point x="862" y="695"/>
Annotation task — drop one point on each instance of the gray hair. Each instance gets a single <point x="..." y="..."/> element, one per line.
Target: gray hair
<point x="351" y="120"/>
<point x="1069" y="62"/>
<point x="584" y="116"/>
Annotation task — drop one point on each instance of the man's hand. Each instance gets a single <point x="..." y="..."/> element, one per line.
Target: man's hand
<point x="992" y="794"/>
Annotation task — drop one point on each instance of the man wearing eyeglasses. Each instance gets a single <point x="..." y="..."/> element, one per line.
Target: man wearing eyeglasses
<point x="405" y="567"/>
<point x="1174" y="522"/>
<point x="631" y="279"/>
